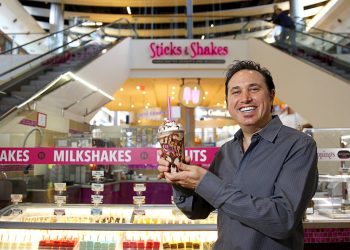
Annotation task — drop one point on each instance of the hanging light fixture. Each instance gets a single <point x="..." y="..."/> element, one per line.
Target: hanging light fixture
<point x="191" y="93"/>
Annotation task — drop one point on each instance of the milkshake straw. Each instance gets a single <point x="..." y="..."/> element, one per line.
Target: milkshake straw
<point x="169" y="109"/>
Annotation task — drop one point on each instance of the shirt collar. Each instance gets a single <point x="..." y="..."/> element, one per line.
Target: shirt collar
<point x="269" y="133"/>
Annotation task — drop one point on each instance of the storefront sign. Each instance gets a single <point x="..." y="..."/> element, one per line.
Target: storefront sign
<point x="203" y="112"/>
<point x="333" y="154"/>
<point x="194" y="52"/>
<point x="154" y="114"/>
<point x="25" y="156"/>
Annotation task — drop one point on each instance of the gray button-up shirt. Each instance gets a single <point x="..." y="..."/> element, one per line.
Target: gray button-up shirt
<point x="260" y="194"/>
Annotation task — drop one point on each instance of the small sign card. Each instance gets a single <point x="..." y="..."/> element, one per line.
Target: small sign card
<point x="96" y="199"/>
<point x="138" y="200"/>
<point x="16" y="211"/>
<point x="60" y="187"/>
<point x="60" y="199"/>
<point x="97" y="187"/>
<point x="139" y="187"/>
<point x="16" y="198"/>
<point x="96" y="211"/>
<point x="139" y="211"/>
<point x="59" y="212"/>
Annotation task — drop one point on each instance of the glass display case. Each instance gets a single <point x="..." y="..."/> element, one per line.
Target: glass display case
<point x="332" y="196"/>
<point x="44" y="226"/>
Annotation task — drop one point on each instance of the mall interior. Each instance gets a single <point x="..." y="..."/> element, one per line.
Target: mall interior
<point x="85" y="84"/>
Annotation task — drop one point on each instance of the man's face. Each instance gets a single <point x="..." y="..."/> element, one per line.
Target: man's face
<point x="249" y="101"/>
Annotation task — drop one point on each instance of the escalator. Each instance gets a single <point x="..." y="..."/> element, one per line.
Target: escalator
<point x="325" y="50"/>
<point x="65" y="51"/>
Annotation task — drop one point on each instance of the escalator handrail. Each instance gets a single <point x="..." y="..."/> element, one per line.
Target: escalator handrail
<point x="40" y="38"/>
<point x="65" y="44"/>
<point x="44" y="54"/>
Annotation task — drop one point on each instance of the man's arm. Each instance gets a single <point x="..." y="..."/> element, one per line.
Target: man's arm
<point x="275" y="216"/>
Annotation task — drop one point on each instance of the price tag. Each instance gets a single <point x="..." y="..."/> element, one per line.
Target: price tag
<point x="60" y="199"/>
<point x="16" y="198"/>
<point x="139" y="212"/>
<point x="96" y="199"/>
<point x="60" y="187"/>
<point x="97" y="187"/>
<point x="96" y="211"/>
<point x="59" y="212"/>
<point x="309" y="210"/>
<point x="99" y="173"/>
<point x="138" y="200"/>
<point x="139" y="187"/>
<point x="16" y="211"/>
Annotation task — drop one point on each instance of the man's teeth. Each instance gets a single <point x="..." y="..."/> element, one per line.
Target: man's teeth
<point x="247" y="109"/>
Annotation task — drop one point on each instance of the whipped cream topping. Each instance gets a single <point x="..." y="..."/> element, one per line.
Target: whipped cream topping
<point x="169" y="125"/>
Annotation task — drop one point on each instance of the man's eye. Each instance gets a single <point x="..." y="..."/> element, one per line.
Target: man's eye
<point x="235" y="92"/>
<point x="254" y="89"/>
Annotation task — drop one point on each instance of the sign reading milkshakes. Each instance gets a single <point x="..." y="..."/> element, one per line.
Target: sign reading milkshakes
<point x="134" y="156"/>
<point x="193" y="52"/>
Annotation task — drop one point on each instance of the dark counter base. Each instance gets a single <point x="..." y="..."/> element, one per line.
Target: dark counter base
<point x="327" y="246"/>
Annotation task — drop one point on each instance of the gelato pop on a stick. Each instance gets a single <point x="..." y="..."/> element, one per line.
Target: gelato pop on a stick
<point x="171" y="139"/>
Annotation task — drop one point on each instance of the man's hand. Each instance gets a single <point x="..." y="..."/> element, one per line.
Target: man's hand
<point x="189" y="176"/>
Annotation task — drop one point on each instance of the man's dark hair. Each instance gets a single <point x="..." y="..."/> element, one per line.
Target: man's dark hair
<point x="249" y="65"/>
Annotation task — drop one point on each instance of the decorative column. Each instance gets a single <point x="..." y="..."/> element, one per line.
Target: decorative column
<point x="57" y="23"/>
<point x="296" y="11"/>
<point x="189" y="13"/>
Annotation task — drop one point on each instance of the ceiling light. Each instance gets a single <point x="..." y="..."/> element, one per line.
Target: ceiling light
<point x="121" y="89"/>
<point x="203" y="36"/>
<point x="144" y="92"/>
<point x="173" y="92"/>
<point x="128" y="10"/>
<point x="87" y="84"/>
<point x="206" y="92"/>
<point x="212" y="25"/>
<point x="132" y="106"/>
<point x="203" y="98"/>
<point x="172" y="98"/>
<point x="148" y="104"/>
<point x="138" y="87"/>
<point x="218" y="104"/>
<point x="120" y="104"/>
<point x="173" y="87"/>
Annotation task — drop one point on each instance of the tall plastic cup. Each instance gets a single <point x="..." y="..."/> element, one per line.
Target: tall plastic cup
<point x="171" y="139"/>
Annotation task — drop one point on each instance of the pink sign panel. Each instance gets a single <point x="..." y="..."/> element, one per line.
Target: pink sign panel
<point x="135" y="156"/>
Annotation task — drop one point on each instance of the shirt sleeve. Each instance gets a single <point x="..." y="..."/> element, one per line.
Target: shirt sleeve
<point x="278" y="215"/>
<point x="190" y="203"/>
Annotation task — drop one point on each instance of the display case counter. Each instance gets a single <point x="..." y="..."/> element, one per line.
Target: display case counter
<point x="120" y="225"/>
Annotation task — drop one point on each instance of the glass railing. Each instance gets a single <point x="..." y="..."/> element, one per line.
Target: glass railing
<point x="335" y="38"/>
<point x="47" y="46"/>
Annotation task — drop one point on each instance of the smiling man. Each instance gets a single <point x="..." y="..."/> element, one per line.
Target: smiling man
<point x="261" y="181"/>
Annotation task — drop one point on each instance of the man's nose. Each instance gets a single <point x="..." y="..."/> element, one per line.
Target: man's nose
<point x="246" y="97"/>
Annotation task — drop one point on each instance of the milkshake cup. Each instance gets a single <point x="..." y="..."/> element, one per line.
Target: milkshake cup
<point x="171" y="138"/>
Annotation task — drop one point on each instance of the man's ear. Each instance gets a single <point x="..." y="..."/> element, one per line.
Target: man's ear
<point x="272" y="94"/>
